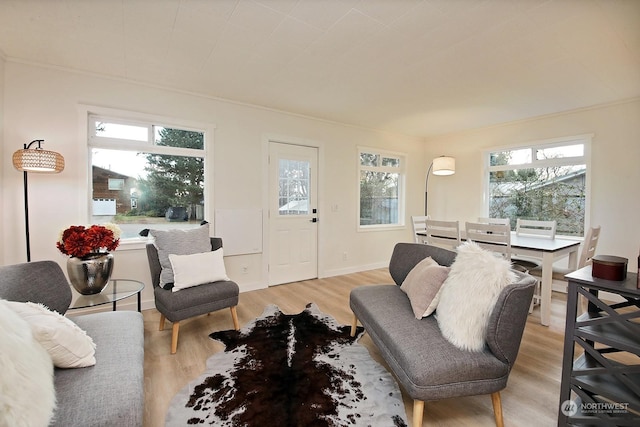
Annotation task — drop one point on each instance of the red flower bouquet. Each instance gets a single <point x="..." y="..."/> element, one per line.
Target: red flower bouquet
<point x="84" y="242"/>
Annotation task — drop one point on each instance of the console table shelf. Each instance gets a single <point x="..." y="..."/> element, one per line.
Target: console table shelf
<point x="602" y="385"/>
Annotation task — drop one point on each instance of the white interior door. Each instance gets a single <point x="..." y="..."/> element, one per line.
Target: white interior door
<point x="293" y="226"/>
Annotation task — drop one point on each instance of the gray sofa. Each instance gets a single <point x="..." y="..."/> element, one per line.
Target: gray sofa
<point x="427" y="366"/>
<point x="110" y="393"/>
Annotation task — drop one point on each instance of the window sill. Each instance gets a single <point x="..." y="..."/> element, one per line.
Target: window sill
<point x="133" y="244"/>
<point x="381" y="227"/>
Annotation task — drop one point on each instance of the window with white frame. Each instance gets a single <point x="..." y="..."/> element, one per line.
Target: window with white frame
<point x="381" y="176"/>
<point x="543" y="181"/>
<point x="153" y="174"/>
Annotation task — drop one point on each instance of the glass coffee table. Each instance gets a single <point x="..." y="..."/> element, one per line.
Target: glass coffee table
<point x="116" y="290"/>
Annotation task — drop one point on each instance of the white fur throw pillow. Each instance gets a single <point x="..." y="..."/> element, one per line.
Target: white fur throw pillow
<point x="422" y="285"/>
<point x="27" y="393"/>
<point x="197" y="269"/>
<point x="469" y="294"/>
<point x="68" y="345"/>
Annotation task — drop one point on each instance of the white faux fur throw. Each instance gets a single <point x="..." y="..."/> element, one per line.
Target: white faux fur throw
<point x="27" y="394"/>
<point x="469" y="294"/>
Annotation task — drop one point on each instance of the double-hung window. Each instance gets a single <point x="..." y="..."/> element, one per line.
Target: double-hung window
<point x="381" y="189"/>
<point x="146" y="174"/>
<point x="543" y="181"/>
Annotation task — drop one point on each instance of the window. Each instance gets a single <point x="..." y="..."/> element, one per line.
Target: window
<point x="545" y="181"/>
<point x="381" y="176"/>
<point x="146" y="175"/>
<point x="116" y="184"/>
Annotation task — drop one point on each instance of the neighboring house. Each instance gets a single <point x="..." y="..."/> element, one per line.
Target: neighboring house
<point x="113" y="193"/>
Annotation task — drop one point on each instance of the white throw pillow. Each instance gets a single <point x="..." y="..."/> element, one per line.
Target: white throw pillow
<point x="27" y="393"/>
<point x="476" y="278"/>
<point x="197" y="269"/>
<point x="68" y="345"/>
<point x="423" y="284"/>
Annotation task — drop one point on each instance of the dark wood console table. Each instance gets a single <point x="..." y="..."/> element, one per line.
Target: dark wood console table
<point x="602" y="385"/>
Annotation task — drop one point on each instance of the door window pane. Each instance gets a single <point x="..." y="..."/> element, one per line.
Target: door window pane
<point x="293" y="191"/>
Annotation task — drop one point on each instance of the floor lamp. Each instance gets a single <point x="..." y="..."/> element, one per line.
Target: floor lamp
<point x="442" y="165"/>
<point x="35" y="160"/>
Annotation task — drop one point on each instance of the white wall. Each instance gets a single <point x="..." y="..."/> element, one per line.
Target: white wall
<point x="615" y="169"/>
<point x="46" y="103"/>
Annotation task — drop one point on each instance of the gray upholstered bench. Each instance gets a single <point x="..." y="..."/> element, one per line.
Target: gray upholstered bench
<point x="427" y="365"/>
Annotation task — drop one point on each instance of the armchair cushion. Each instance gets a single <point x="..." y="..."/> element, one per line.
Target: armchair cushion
<point x="178" y="242"/>
<point x="469" y="295"/>
<point x="197" y="269"/>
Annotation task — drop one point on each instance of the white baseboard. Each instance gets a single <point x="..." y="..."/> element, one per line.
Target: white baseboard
<point x="353" y="269"/>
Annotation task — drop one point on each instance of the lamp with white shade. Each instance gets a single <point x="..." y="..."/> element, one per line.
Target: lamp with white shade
<point x="35" y="160"/>
<point x="443" y="165"/>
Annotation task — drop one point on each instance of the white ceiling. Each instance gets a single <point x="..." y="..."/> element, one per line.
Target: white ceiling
<point x="420" y="67"/>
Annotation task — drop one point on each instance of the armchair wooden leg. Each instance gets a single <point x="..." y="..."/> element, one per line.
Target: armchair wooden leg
<point x="234" y="316"/>
<point x="162" y="319"/>
<point x="354" y="325"/>
<point x="418" y="412"/>
<point x="174" y="337"/>
<point x="497" y="408"/>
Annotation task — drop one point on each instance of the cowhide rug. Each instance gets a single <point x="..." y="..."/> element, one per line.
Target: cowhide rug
<point x="290" y="370"/>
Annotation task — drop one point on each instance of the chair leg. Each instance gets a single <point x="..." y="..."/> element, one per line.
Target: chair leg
<point x="174" y="337"/>
<point x="497" y="408"/>
<point x="418" y="412"/>
<point x="354" y="325"/>
<point x="234" y="316"/>
<point x="536" y="297"/>
<point x="162" y="319"/>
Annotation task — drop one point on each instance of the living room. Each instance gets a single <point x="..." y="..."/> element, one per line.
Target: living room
<point x="44" y="97"/>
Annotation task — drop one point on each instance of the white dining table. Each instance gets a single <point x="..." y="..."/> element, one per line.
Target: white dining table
<point x="549" y="250"/>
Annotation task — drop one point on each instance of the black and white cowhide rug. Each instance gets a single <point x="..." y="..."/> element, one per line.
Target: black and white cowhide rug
<point x="290" y="370"/>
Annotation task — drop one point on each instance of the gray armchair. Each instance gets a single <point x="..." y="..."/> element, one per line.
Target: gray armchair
<point x="191" y="302"/>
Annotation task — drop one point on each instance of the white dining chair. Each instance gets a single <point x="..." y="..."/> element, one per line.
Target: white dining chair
<point x="419" y="226"/>
<point x="493" y="237"/>
<point x="502" y="221"/>
<point x="443" y="233"/>
<point x="587" y="252"/>
<point x="534" y="228"/>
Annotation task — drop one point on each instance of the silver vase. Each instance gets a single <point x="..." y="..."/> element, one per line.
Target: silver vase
<point x="90" y="275"/>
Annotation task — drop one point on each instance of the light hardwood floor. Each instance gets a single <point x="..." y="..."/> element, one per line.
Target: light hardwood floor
<point x="530" y="399"/>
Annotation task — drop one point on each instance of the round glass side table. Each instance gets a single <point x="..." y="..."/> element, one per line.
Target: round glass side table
<point x="116" y="290"/>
